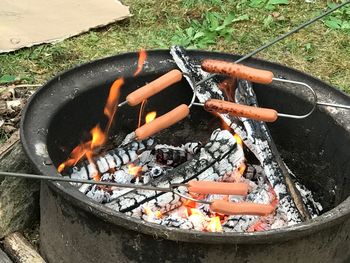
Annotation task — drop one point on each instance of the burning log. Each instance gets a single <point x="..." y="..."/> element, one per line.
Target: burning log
<point x="245" y="95"/>
<point x="219" y="144"/>
<point x="255" y="137"/>
<point x="113" y="159"/>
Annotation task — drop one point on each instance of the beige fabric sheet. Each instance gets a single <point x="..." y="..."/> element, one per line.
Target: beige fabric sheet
<point x="24" y="23"/>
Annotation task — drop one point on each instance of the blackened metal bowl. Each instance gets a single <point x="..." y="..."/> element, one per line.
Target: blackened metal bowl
<point x="76" y="229"/>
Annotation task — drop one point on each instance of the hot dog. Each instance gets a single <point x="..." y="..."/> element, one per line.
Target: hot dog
<point x="154" y="87"/>
<point x="223" y="188"/>
<point x="162" y="122"/>
<point x="237" y="70"/>
<point x="239" y="110"/>
<point x="240" y="208"/>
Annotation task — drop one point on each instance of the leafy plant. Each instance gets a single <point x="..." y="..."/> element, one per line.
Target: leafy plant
<point x="5" y="79"/>
<point x="201" y="34"/>
<point x="267" y="4"/>
<point x="339" y="20"/>
<point x="193" y="3"/>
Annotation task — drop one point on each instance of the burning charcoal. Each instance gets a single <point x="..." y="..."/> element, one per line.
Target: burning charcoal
<point x="111" y="160"/>
<point x="254" y="172"/>
<point x="192" y="147"/>
<point x="221" y="142"/>
<point x="178" y="222"/>
<point x="122" y="177"/>
<point x="239" y="223"/>
<point x="170" y="156"/>
<point x="99" y="195"/>
<point x="156" y="171"/>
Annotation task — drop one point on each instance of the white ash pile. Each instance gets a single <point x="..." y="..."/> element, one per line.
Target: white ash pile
<point x="135" y="162"/>
<point x="161" y="165"/>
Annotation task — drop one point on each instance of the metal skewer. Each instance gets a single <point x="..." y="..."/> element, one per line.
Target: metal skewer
<point x="217" y="206"/>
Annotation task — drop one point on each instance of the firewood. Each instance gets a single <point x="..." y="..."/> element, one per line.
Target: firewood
<point x="20" y="250"/>
<point x="255" y="135"/>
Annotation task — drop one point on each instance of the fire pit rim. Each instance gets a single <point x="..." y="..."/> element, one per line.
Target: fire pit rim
<point x="68" y="192"/>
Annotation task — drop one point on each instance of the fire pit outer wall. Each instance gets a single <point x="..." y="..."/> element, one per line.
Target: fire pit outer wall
<point x="75" y="229"/>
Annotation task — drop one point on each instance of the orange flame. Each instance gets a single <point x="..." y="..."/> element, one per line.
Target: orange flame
<point x="134" y="169"/>
<point x="141" y="61"/>
<point x="214" y="225"/>
<point x="75" y="156"/>
<point x="98" y="137"/>
<point x="151" y="116"/>
<point x="112" y="102"/>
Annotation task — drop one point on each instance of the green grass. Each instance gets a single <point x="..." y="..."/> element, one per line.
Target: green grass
<point x="322" y="50"/>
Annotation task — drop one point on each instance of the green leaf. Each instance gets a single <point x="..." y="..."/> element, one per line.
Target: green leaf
<point x="189" y="32"/>
<point x="333" y="23"/>
<point x="256" y="3"/>
<point x="8" y="79"/>
<point x="345" y="25"/>
<point x="268" y="21"/>
<point x="277" y="2"/>
<point x="241" y="18"/>
<point x="270" y="7"/>
<point x="213" y="21"/>
<point x="229" y="19"/>
<point x="308" y="46"/>
<point x="331" y="5"/>
<point x="198" y="35"/>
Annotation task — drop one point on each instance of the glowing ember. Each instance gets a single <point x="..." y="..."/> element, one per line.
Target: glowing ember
<point x="196" y="216"/>
<point x="151" y="214"/>
<point x="141" y="61"/>
<point x="242" y="168"/>
<point x="151" y="116"/>
<point x="238" y="139"/>
<point x="214" y="224"/>
<point x="134" y="169"/>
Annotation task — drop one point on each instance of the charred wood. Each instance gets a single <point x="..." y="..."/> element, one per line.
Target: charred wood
<point x="259" y="132"/>
<point x="260" y="147"/>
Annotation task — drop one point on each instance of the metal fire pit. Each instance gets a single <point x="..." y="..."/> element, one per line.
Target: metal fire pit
<point x="75" y="229"/>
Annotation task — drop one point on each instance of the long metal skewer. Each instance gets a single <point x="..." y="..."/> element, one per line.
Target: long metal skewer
<point x="279" y="39"/>
<point x="83" y="181"/>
